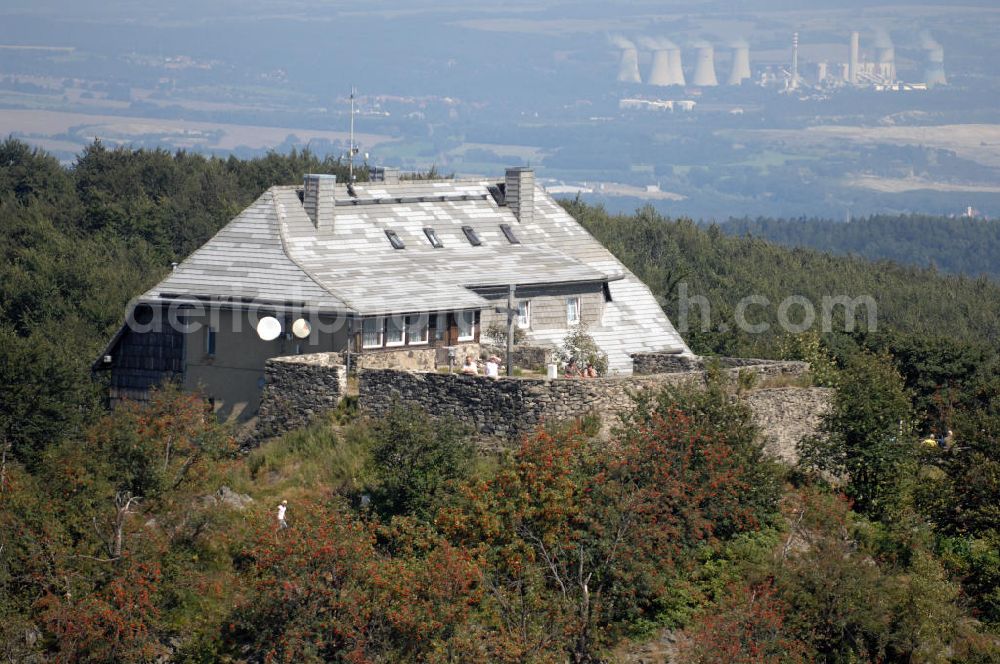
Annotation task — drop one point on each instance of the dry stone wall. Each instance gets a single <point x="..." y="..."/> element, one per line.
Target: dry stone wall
<point x="786" y="415"/>
<point x="511" y="407"/>
<point x="300" y="387"/>
<point x="297" y="388"/>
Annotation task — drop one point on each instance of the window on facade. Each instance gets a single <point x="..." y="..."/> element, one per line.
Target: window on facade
<point x="433" y="238"/>
<point x="394" y="331"/>
<point x="572" y="310"/>
<point x="210" y="335"/>
<point x="470" y="233"/>
<point x="509" y="233"/>
<point x="371" y="333"/>
<point x="441" y="326"/>
<point x="524" y="314"/>
<point x="395" y="240"/>
<point x="466" y="321"/>
<point x="416" y="330"/>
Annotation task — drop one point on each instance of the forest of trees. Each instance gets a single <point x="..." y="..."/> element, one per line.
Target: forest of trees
<point x="958" y="246"/>
<point x="144" y="534"/>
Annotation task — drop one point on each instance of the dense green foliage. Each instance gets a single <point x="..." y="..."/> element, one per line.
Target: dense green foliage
<point x="77" y="243"/>
<point x="679" y="259"/>
<point x="959" y="246"/>
<point x="120" y="541"/>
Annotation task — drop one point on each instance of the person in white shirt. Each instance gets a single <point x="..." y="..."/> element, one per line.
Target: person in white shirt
<point x="281" y="514"/>
<point x="470" y="368"/>
<point x="493" y="367"/>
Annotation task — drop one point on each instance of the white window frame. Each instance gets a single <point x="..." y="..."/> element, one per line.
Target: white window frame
<point x="379" y="328"/>
<point x="417" y="330"/>
<point x="469" y="316"/>
<point x="391" y="323"/>
<point x="524" y="314"/>
<point x="573" y="309"/>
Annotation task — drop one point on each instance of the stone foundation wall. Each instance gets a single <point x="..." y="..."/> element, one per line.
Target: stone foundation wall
<point x="512" y="407"/>
<point x="525" y="357"/>
<point x="786" y="415"/>
<point x="302" y="386"/>
<point x="297" y="388"/>
<point x="406" y="359"/>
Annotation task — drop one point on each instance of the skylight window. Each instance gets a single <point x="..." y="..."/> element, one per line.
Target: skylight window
<point x="470" y="233"/>
<point x="433" y="238"/>
<point x="509" y="232"/>
<point x="397" y="242"/>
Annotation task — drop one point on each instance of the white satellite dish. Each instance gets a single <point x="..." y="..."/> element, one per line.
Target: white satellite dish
<point x="301" y="328"/>
<point x="268" y="328"/>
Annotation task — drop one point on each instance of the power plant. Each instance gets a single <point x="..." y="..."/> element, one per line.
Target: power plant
<point x="874" y="68"/>
<point x="628" y="66"/>
<point x="741" y="63"/>
<point x="704" y="69"/>
<point x="666" y="68"/>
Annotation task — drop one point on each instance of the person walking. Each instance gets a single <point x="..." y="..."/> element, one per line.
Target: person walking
<point x="282" y="524"/>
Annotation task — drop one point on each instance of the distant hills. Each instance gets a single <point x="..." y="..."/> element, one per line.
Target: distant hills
<point x="959" y="246"/>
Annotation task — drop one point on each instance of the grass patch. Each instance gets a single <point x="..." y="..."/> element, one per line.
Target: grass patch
<point x="319" y="456"/>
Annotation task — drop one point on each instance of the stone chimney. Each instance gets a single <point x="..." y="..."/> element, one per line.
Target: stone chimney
<point x="520" y="193"/>
<point x="319" y="199"/>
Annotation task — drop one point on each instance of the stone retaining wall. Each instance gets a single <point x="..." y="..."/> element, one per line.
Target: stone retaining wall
<point x="658" y="363"/>
<point x="297" y="388"/>
<point x="786" y="415"/>
<point x="300" y="387"/>
<point x="511" y="407"/>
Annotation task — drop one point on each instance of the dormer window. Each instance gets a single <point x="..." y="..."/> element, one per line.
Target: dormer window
<point x="433" y="238"/>
<point x="509" y="233"/>
<point x="470" y="233"/>
<point x="395" y="240"/>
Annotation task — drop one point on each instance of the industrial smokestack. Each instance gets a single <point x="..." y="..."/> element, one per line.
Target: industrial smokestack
<point x="934" y="72"/>
<point x="741" y="63"/>
<point x="628" y="67"/>
<point x="795" y="60"/>
<point x="704" y="69"/>
<point x="852" y="61"/>
<point x="820" y="72"/>
<point x="662" y="71"/>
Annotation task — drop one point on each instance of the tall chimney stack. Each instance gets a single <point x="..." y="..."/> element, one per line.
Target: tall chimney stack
<point x="852" y="62"/>
<point x="319" y="199"/>
<point x="520" y="193"/>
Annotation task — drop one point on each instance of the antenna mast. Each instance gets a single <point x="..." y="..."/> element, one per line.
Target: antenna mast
<point x="352" y="149"/>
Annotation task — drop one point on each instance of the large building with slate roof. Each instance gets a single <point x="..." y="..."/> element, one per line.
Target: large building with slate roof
<point x="379" y="267"/>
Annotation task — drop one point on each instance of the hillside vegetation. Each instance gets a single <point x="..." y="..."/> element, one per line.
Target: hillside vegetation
<point x="957" y="246"/>
<point x="144" y="535"/>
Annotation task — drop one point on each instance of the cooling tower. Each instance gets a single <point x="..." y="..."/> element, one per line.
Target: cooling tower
<point x="704" y="69"/>
<point x="676" y="69"/>
<point x="852" y="62"/>
<point x="628" y="69"/>
<point x="660" y="72"/>
<point x="741" y="64"/>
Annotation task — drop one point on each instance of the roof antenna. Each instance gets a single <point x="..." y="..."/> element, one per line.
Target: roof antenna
<point x="353" y="149"/>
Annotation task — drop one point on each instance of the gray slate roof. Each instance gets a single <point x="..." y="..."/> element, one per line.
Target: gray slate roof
<point x="273" y="251"/>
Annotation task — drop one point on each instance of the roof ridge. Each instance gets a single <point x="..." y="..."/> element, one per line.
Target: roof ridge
<point x="280" y="217"/>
